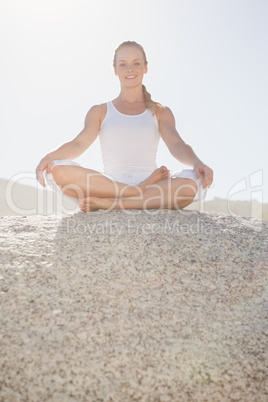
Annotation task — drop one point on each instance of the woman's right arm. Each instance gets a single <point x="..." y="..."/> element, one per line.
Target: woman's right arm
<point x="73" y="149"/>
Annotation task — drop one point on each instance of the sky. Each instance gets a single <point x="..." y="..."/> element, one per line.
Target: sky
<point x="208" y="62"/>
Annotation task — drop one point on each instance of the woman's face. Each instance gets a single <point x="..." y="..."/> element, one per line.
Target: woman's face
<point x="130" y="66"/>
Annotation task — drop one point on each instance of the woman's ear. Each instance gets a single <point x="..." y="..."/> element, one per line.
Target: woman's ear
<point x="115" y="71"/>
<point x="146" y="68"/>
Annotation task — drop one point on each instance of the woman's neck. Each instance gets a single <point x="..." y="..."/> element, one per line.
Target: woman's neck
<point x="131" y="95"/>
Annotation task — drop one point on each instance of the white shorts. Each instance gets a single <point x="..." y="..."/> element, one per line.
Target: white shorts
<point x="134" y="179"/>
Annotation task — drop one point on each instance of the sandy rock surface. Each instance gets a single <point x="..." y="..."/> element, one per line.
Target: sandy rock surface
<point x="138" y="306"/>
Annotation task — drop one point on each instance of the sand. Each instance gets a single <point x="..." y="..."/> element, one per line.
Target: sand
<point x="138" y="306"/>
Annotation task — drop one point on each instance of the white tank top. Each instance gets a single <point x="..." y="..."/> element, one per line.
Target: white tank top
<point x="129" y="144"/>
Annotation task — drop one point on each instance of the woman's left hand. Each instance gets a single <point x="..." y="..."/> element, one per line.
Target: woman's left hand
<point x="208" y="174"/>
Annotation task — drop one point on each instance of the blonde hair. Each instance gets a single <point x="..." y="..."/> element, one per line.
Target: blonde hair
<point x="149" y="103"/>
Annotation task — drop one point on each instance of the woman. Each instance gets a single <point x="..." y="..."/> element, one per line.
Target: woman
<point x="129" y="128"/>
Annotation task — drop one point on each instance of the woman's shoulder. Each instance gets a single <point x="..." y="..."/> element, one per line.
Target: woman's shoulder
<point x="97" y="112"/>
<point x="163" y="113"/>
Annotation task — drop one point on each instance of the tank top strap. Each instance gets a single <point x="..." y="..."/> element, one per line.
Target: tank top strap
<point x="111" y="108"/>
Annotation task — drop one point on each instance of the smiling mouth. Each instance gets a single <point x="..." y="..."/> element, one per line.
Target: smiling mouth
<point x="131" y="77"/>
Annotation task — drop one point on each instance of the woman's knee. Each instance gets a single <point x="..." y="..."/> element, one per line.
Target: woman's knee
<point x="185" y="193"/>
<point x="186" y="188"/>
<point x="59" y="174"/>
<point x="185" y="203"/>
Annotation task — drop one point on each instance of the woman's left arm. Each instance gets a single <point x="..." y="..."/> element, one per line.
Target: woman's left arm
<point x="179" y="149"/>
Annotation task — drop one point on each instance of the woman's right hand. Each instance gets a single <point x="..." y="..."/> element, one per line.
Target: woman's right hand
<point x="45" y="163"/>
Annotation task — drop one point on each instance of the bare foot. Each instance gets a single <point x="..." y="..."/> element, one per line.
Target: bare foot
<point x="159" y="174"/>
<point x="90" y="204"/>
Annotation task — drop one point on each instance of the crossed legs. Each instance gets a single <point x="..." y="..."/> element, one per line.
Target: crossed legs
<point x="96" y="191"/>
<point x="172" y="193"/>
<point x="79" y="182"/>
